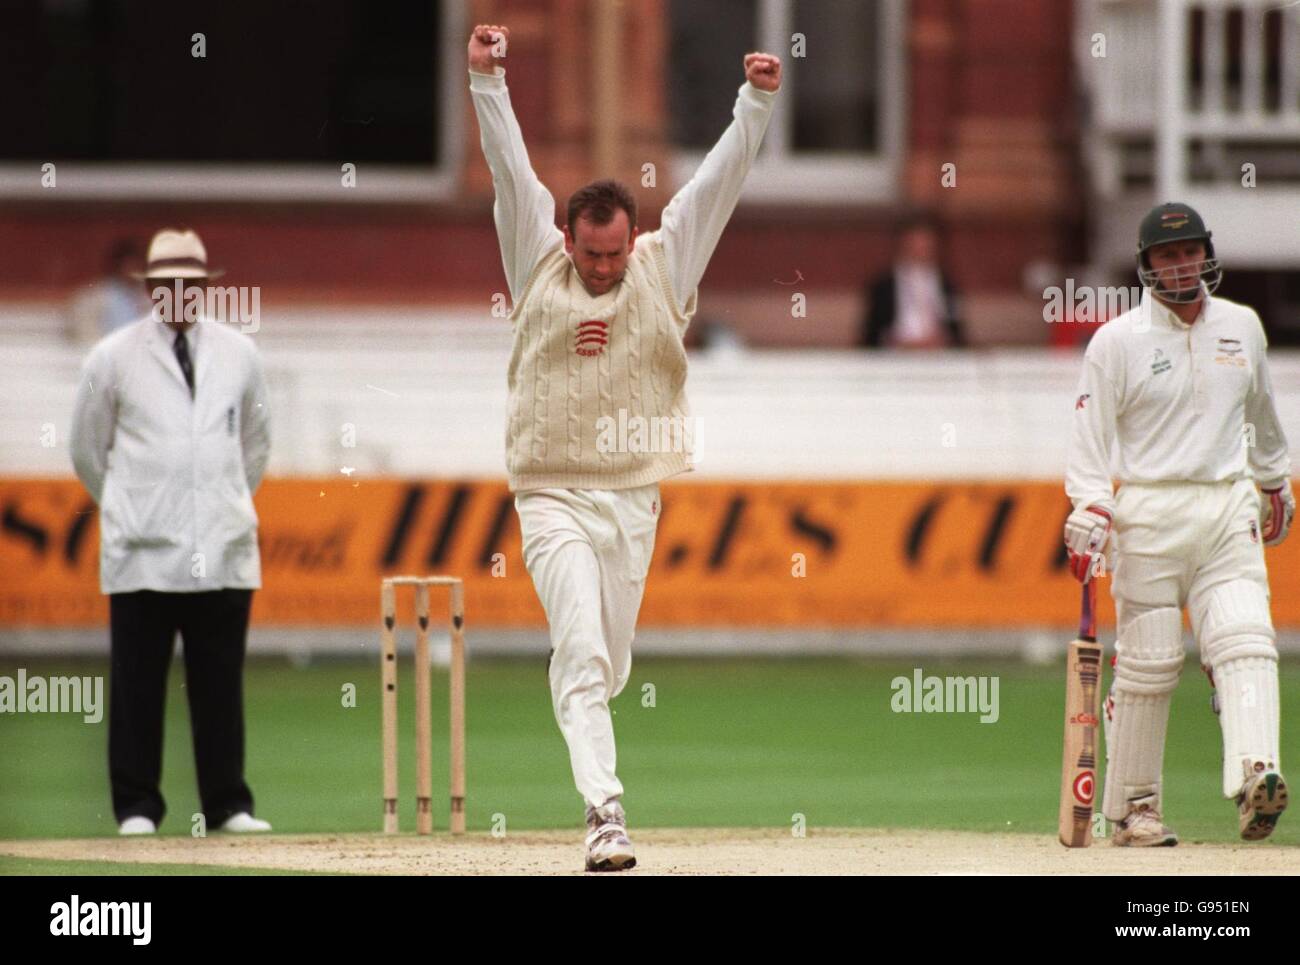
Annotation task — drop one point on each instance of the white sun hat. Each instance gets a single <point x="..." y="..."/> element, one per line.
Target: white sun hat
<point x="178" y="254"/>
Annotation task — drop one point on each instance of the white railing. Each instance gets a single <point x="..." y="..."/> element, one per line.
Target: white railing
<point x="1196" y="100"/>
<point x="424" y="394"/>
<point x="1143" y="82"/>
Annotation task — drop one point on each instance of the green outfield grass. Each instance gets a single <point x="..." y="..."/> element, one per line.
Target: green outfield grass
<point x="117" y="869"/>
<point x="727" y="743"/>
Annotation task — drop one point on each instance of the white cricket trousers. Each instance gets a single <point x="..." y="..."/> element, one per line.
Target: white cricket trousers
<point x="588" y="551"/>
<point x="1195" y="546"/>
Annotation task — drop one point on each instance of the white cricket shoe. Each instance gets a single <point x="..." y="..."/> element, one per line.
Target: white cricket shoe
<point x="1261" y="801"/>
<point x="137" y="825"/>
<point x="245" y="823"/>
<point x="608" y="846"/>
<point x="1142" y="827"/>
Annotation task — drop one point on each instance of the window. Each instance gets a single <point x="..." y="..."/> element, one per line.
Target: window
<point x="836" y="98"/>
<point x="708" y="42"/>
<point x="836" y="132"/>
<point x="285" y="94"/>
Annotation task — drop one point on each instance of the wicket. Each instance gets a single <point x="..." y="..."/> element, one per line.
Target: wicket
<point x="423" y="708"/>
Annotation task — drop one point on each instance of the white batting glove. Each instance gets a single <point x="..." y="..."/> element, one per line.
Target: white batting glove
<point x="1087" y="531"/>
<point x="1276" y="510"/>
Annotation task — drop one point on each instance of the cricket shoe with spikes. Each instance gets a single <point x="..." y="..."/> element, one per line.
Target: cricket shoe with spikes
<point x="1142" y="827"/>
<point x="608" y="846"/>
<point x="1261" y="801"/>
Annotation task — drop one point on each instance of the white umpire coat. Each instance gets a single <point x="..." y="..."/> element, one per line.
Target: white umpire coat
<point x="173" y="476"/>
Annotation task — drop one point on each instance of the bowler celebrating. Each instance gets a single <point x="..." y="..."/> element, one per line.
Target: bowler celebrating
<point x="599" y="315"/>
<point x="1181" y="383"/>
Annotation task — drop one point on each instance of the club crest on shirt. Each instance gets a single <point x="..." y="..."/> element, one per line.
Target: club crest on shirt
<point x="1229" y="350"/>
<point x="1159" y="363"/>
<point x="591" y="338"/>
<point x="1082" y="400"/>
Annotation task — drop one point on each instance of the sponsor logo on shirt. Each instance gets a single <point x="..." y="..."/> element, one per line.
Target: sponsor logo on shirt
<point x="230" y="421"/>
<point x="592" y="337"/>
<point x="1081" y="400"/>
<point x="1254" y="531"/>
<point x="1159" y="363"/>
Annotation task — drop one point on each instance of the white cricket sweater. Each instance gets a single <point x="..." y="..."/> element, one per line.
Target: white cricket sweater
<point x="597" y="384"/>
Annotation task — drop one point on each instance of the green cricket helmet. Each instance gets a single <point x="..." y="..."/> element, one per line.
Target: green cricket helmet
<point x="1175" y="221"/>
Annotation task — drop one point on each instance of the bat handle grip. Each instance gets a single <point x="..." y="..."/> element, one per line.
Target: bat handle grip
<point x="1088" y="612"/>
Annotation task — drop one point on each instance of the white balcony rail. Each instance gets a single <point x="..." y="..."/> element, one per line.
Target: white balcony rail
<point x="1185" y="72"/>
<point x="423" y="393"/>
<point x="1196" y="100"/>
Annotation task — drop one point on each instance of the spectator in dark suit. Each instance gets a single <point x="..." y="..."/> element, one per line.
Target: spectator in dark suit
<point x="913" y="304"/>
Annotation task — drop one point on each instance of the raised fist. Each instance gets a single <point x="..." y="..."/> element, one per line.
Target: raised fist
<point x="487" y="45"/>
<point x="763" y="71"/>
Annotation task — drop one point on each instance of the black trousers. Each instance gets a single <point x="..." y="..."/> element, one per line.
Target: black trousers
<point x="142" y="630"/>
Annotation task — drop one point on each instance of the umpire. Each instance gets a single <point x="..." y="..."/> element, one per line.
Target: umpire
<point x="170" y="436"/>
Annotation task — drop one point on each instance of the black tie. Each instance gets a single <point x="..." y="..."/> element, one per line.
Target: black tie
<point x="182" y="350"/>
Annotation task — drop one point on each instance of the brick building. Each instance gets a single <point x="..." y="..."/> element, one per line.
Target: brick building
<point x="881" y="96"/>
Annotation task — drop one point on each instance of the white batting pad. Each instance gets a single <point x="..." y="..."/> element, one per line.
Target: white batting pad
<point x="1148" y="658"/>
<point x="1236" y="636"/>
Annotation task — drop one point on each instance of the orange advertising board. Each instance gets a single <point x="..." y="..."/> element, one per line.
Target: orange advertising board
<point x="751" y="554"/>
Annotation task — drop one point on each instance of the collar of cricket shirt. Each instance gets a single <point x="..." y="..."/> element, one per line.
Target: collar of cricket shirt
<point x="1162" y="314"/>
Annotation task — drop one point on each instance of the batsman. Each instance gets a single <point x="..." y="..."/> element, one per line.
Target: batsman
<point x="599" y="314"/>
<point x="1180" y="385"/>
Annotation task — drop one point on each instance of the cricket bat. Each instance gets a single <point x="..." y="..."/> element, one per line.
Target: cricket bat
<point x="1082" y="717"/>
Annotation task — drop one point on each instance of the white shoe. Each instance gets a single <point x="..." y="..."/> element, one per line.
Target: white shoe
<point x="1142" y="827"/>
<point x="608" y="846"/>
<point x="137" y="825"/>
<point x="1261" y="801"/>
<point x="244" y="823"/>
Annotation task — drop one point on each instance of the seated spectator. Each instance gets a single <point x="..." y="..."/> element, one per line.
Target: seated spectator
<point x="709" y="333"/>
<point x="114" y="300"/>
<point x="913" y="304"/>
